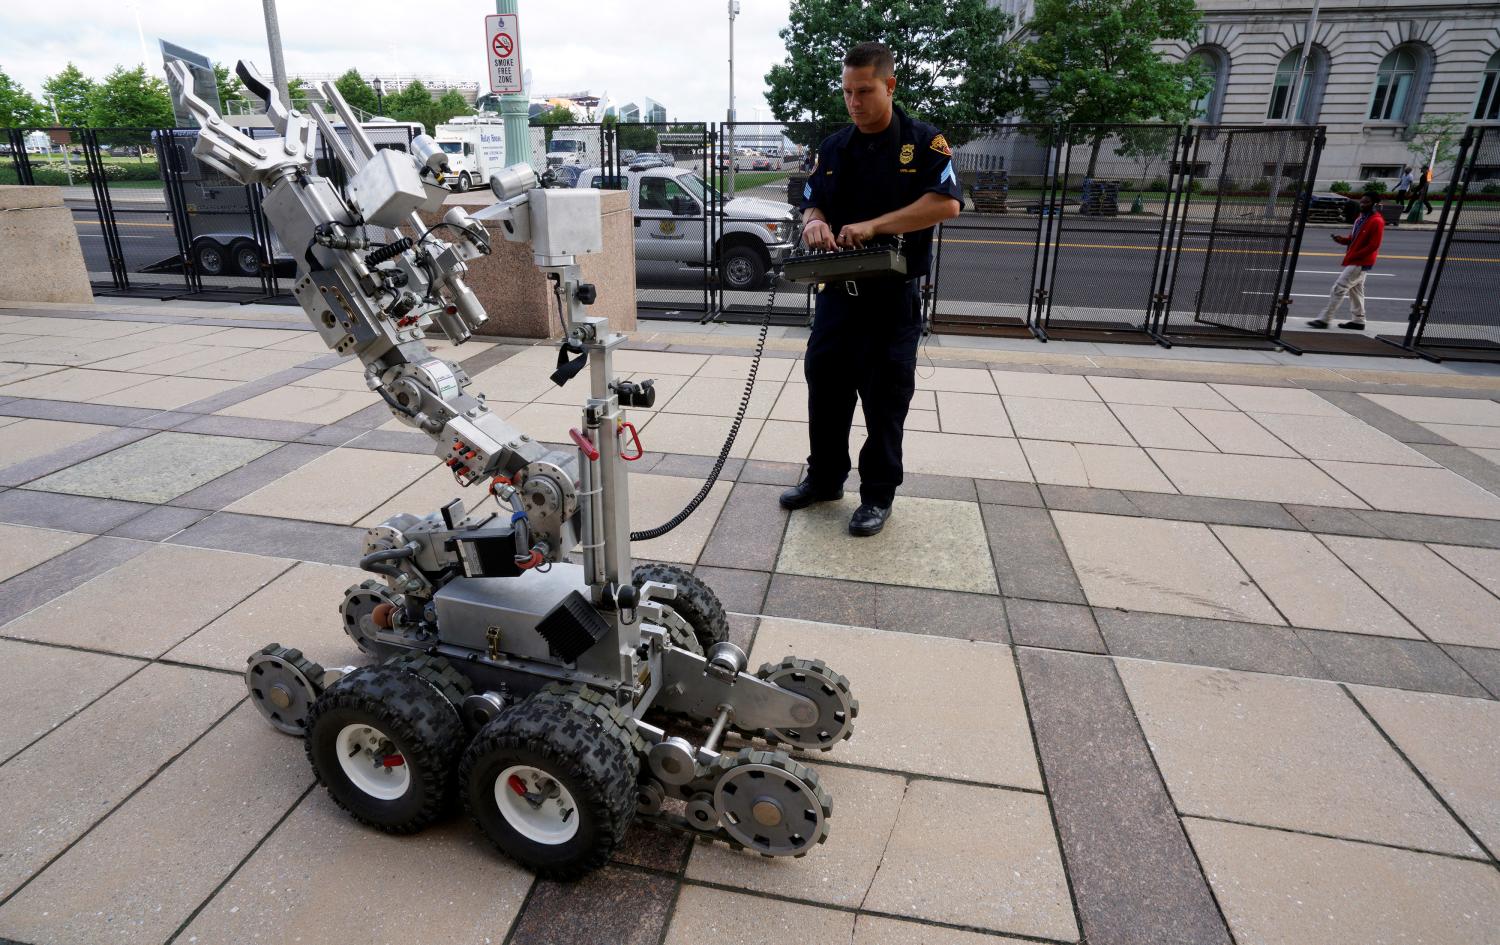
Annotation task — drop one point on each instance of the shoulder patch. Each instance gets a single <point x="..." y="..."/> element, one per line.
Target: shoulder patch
<point x="940" y="145"/>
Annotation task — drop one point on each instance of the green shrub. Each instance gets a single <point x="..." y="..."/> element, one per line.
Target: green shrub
<point x="1339" y="187"/>
<point x="1374" y="188"/>
<point x="1157" y="185"/>
<point x="1492" y="187"/>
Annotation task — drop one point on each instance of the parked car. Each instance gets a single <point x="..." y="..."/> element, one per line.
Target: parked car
<point x="762" y="164"/>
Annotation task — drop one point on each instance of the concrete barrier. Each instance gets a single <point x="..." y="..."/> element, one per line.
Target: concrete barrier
<point x="40" y="258"/>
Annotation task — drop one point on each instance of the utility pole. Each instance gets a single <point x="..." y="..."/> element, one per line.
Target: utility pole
<point x="734" y="9"/>
<point x="273" y="40"/>
<point x="1294" y="103"/>
<point x="513" y="106"/>
<point x="67" y="155"/>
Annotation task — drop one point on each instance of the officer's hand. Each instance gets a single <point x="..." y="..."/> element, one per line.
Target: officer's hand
<point x="817" y="234"/>
<point x="854" y="235"/>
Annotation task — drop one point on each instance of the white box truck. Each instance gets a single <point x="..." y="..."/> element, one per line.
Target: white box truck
<point x="475" y="149"/>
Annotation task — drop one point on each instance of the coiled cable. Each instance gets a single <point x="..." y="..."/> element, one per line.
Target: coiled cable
<point x="388" y="251"/>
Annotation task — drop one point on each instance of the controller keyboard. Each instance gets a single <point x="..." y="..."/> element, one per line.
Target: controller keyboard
<point x="876" y="261"/>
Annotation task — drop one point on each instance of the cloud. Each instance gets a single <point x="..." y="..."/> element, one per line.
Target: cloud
<point x="675" y="51"/>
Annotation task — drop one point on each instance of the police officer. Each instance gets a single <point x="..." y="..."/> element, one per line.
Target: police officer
<point x="882" y="176"/>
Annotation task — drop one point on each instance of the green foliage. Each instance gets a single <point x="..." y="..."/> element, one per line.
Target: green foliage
<point x="1373" y="187"/>
<point x="412" y="103"/>
<point x="952" y="63"/>
<point x="449" y="106"/>
<point x="632" y="137"/>
<point x="231" y="89"/>
<point x="1491" y="188"/>
<point x="1095" y="62"/>
<point x="18" y="109"/>
<point x="1339" y="187"/>
<point x="296" y="90"/>
<point x="356" y="91"/>
<point x="129" y="98"/>
<point x="556" y="115"/>
<point x="1441" y="130"/>
<point x="70" y="90"/>
<point x="55" y="172"/>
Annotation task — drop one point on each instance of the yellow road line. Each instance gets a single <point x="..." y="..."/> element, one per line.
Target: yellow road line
<point x="1204" y="249"/>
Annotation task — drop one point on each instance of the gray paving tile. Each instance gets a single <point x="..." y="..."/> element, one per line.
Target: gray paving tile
<point x="165" y="420"/>
<point x="158" y="524"/>
<point x="821" y="599"/>
<point x="241" y="482"/>
<point x="96" y="445"/>
<point x="74" y="513"/>
<point x="1319" y="518"/>
<point x="1481" y="662"/>
<point x="654" y="847"/>
<point x="1200" y="641"/>
<point x="1213" y="511"/>
<point x="739" y="591"/>
<point x="248" y="390"/>
<point x="771" y="473"/>
<point x="929" y="486"/>
<point x="332" y="435"/>
<point x="1386" y="421"/>
<point x="1443" y="529"/>
<point x="1387" y="661"/>
<point x="742" y="630"/>
<point x="158" y="468"/>
<point x="76" y="412"/>
<point x="748" y="532"/>
<point x="941" y="613"/>
<point x="284" y="430"/>
<point x="1052" y="625"/>
<point x="611" y="905"/>
<point x="1135" y="878"/>
<point x="1006" y="492"/>
<point x="395" y="441"/>
<point x="43" y="686"/>
<point x="683" y="464"/>
<point x="1466" y="463"/>
<point x="1030" y="560"/>
<point x="279" y="537"/>
<point x="1085" y="499"/>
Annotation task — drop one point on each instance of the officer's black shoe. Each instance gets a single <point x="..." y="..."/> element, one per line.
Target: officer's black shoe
<point x="805" y="493"/>
<point x="868" y="520"/>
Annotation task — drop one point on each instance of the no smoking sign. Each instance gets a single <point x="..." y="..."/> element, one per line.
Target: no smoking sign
<point x="503" y="44"/>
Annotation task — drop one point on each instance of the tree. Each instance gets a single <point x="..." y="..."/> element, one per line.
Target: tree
<point x="953" y="65"/>
<point x="1440" y="130"/>
<point x="556" y="115"/>
<point x="448" y="106"/>
<point x="70" y="90"/>
<point x="412" y="103"/>
<point x="129" y="98"/>
<point x="296" y="90"/>
<point x="231" y="89"/>
<point x="17" y="107"/>
<point x="1092" y="62"/>
<point x="356" y="91"/>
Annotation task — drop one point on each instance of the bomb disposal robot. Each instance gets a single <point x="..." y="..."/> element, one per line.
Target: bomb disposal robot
<point x="508" y="674"/>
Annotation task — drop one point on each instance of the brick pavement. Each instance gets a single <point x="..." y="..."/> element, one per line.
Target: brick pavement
<point x="1153" y="650"/>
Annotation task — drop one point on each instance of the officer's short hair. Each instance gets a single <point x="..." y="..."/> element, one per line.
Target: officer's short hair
<point x="872" y="54"/>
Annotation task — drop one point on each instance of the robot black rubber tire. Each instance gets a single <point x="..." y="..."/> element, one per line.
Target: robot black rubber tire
<point x="552" y="782"/>
<point x="397" y="724"/>
<point x="695" y="601"/>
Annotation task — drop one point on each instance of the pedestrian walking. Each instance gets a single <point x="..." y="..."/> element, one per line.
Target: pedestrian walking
<point x="1419" y="195"/>
<point x="1364" y="246"/>
<point x="1404" y="185"/>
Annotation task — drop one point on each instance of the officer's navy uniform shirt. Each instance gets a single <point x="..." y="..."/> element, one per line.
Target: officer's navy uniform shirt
<point x="858" y="177"/>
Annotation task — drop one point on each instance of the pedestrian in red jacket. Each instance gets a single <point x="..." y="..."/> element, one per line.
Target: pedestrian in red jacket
<point x="1364" y="245"/>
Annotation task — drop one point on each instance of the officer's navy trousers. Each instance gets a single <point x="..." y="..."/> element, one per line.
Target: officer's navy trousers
<point x="862" y="346"/>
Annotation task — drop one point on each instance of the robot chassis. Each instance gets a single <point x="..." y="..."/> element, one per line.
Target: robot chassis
<point x="509" y="675"/>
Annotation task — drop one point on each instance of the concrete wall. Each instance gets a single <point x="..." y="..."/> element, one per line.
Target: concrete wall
<point x="40" y="258"/>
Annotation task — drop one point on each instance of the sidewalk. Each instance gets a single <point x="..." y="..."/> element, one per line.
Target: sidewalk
<point x="1160" y="646"/>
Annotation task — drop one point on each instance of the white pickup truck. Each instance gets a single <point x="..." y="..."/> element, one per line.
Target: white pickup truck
<point x="669" y="208"/>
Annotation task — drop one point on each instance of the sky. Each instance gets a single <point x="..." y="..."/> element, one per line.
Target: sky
<point x="675" y="51"/>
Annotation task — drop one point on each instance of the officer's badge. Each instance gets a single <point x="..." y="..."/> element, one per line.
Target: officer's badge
<point x="908" y="151"/>
<point x="940" y="145"/>
<point x="668" y="227"/>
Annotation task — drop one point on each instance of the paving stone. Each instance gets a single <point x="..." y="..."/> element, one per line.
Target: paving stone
<point x="1436" y="528"/>
<point x="1052" y="386"/>
<point x="166" y="393"/>
<point x="252" y="534"/>
<point x="836" y="873"/>
<point x="1123" y="390"/>
<point x="143" y="871"/>
<point x="240" y="482"/>
<point x="1193" y="508"/>
<point x="1284" y="889"/>
<point x="25" y="439"/>
<point x="1316" y="518"/>
<point x="952" y="695"/>
<point x="878" y="930"/>
<point x="1282" y="752"/>
<point x="1465" y="410"/>
<point x="74" y="384"/>
<point x="63" y="572"/>
<point x="777" y="474"/>
<point x="1382" y="661"/>
<point x="1133" y="874"/>
<point x="941" y="613"/>
<point x="298" y="609"/>
<point x="1481" y="467"/>
<point x="975" y="414"/>
<point x="829" y="601"/>
<point x="1157" y="566"/>
<point x="1053" y="625"/>
<point x="928" y="486"/>
<point x="1029" y="558"/>
<point x="340" y="487"/>
<point x="727" y="918"/>
<point x="702" y="435"/>
<point x="1002" y="492"/>
<point x="1480" y="662"/>
<point x="611" y="905"/>
<point x="681" y="464"/>
<point x="42" y="686"/>
<point x="300" y="404"/>
<point x="721" y="397"/>
<point x="76" y="412"/>
<point x="430" y="492"/>
<point x="1007" y="877"/>
<point x="954" y="378"/>
<point x="1160" y="426"/>
<point x="926" y="543"/>
<point x="1084" y="499"/>
<point x="312" y="881"/>
<point x="1074" y="421"/>
<point x="749" y="528"/>
<point x="742" y="630"/>
<point x="1288" y="400"/>
<point x="148" y="604"/>
<point x="654" y="847"/>
<point x="1309" y="584"/>
<point x="1410" y="489"/>
<point x="392" y="441"/>
<point x="739" y="591"/>
<point x="60" y="786"/>
<point x="1339" y="438"/>
<point x="158" y="524"/>
<point x="948" y="454"/>
<point x="1466" y="435"/>
<point x="99" y="445"/>
<point x="158" y="468"/>
<point x="282" y="430"/>
<point x="1263" y="478"/>
<point x="23" y="548"/>
<point x="736" y="367"/>
<point x="1198" y="641"/>
<point x="1443" y="602"/>
<point x="1236" y="433"/>
<point x="1093" y="465"/>
<point x="656" y="500"/>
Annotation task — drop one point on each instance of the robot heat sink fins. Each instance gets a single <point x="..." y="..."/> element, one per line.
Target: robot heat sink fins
<point x="572" y="627"/>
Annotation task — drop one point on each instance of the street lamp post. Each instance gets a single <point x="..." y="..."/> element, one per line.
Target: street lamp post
<point x="734" y="9"/>
<point x="379" y="96"/>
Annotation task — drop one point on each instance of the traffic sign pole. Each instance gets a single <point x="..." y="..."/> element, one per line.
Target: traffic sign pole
<point x="513" y="108"/>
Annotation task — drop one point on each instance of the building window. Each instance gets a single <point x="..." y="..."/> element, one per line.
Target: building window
<point x="1375" y="171"/>
<point x="1488" y="108"/>
<point x="1313" y="78"/>
<point x="1395" y="85"/>
<point x="1213" y="65"/>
